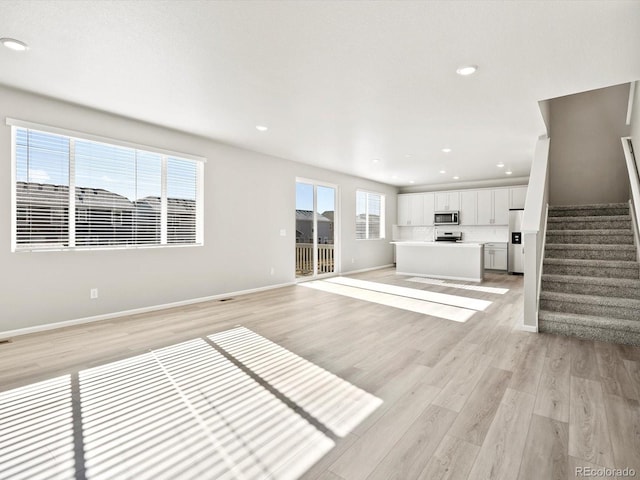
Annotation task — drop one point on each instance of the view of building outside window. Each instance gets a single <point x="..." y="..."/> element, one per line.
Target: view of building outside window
<point x="118" y="194"/>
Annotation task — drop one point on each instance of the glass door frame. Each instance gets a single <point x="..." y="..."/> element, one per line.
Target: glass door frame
<point x="336" y="230"/>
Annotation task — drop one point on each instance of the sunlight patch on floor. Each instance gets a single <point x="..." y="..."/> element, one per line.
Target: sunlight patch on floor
<point x="36" y="431"/>
<point x="477" y="288"/>
<point x="233" y="405"/>
<point x="444" y="298"/>
<point x="334" y="402"/>
<point x="439" y="310"/>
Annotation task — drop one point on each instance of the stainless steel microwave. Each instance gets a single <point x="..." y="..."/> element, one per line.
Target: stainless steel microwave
<point x="446" y="218"/>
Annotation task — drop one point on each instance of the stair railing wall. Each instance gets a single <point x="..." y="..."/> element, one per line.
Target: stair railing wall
<point x="634" y="182"/>
<point x="636" y="230"/>
<point x="534" y="228"/>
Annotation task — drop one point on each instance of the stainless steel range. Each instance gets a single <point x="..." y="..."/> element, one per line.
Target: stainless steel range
<point x="448" y="236"/>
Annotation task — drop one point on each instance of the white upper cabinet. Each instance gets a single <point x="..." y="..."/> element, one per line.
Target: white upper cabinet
<point x="468" y="207"/>
<point x="415" y="209"/>
<point x="488" y="206"/>
<point x="429" y="208"/>
<point x="485" y="207"/>
<point x="501" y="206"/>
<point x="517" y="197"/>
<point x="493" y="207"/>
<point x="454" y="201"/>
<point x="403" y="210"/>
<point x="446" y="201"/>
<point x="441" y="199"/>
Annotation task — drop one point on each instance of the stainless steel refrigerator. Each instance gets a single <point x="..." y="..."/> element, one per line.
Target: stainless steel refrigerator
<point x="515" y="255"/>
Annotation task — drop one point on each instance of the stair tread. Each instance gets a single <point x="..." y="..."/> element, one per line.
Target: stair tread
<point x="590" y="320"/>
<point x="591" y="263"/>
<point x="591" y="218"/>
<point x="591" y="206"/>
<point x="604" y="281"/>
<point x="591" y="299"/>
<point x="589" y="246"/>
<point x="594" y="231"/>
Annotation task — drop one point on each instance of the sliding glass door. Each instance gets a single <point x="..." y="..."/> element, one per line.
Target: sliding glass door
<point x="316" y="218"/>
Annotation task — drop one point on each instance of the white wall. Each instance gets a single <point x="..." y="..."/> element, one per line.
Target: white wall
<point x="586" y="160"/>
<point x="635" y="121"/>
<point x="249" y="197"/>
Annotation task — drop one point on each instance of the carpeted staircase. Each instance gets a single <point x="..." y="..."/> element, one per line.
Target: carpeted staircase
<point x="591" y="277"/>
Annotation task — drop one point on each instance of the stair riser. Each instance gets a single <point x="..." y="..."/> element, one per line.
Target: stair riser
<point x="586" y="271"/>
<point x="595" y="310"/>
<point x="573" y="253"/>
<point x="590" y="333"/>
<point x="590" y="239"/>
<point x="591" y="212"/>
<point x="590" y="225"/>
<point x="590" y="289"/>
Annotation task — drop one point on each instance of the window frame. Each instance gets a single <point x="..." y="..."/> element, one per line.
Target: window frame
<point x="73" y="135"/>
<point x="382" y="196"/>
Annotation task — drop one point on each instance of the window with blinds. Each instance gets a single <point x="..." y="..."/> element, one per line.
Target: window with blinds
<point x="72" y="192"/>
<point x="369" y="215"/>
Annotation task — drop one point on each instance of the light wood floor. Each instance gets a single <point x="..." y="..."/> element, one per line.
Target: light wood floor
<point x="475" y="400"/>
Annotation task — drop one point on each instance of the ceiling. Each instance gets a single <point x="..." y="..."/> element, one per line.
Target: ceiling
<point x="339" y="84"/>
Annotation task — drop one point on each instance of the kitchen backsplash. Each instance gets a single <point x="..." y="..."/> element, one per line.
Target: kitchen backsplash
<point x="469" y="233"/>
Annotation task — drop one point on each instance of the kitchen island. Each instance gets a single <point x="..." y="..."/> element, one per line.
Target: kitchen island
<point x="446" y="260"/>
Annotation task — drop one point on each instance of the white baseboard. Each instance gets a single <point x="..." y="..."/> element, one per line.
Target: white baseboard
<point x="529" y="328"/>
<point x="124" y="313"/>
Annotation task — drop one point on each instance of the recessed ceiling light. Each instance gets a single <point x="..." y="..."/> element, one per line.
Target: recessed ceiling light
<point x="500" y="165"/>
<point x="14" y="44"/>
<point x="456" y="178"/>
<point x="467" y="70"/>
<point x="412" y="181"/>
<point x="262" y="128"/>
<point x="375" y="160"/>
<point x="443" y="171"/>
<point x="395" y="177"/>
<point x="407" y="155"/>
<point x="508" y="172"/>
<point x="446" y="150"/>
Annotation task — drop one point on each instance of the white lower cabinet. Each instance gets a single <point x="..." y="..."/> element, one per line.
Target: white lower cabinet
<point x="495" y="256"/>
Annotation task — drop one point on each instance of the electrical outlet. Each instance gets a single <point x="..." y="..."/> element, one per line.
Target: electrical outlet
<point x="353" y="260"/>
<point x="93" y="294"/>
<point x="273" y="270"/>
<point x="283" y="232"/>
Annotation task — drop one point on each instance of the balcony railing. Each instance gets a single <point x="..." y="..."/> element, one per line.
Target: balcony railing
<point x="304" y="259"/>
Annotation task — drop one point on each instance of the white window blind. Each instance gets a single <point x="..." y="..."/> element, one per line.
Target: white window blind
<point x="369" y="215"/>
<point x="41" y="189"/>
<point x="181" y="201"/>
<point x="78" y="193"/>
